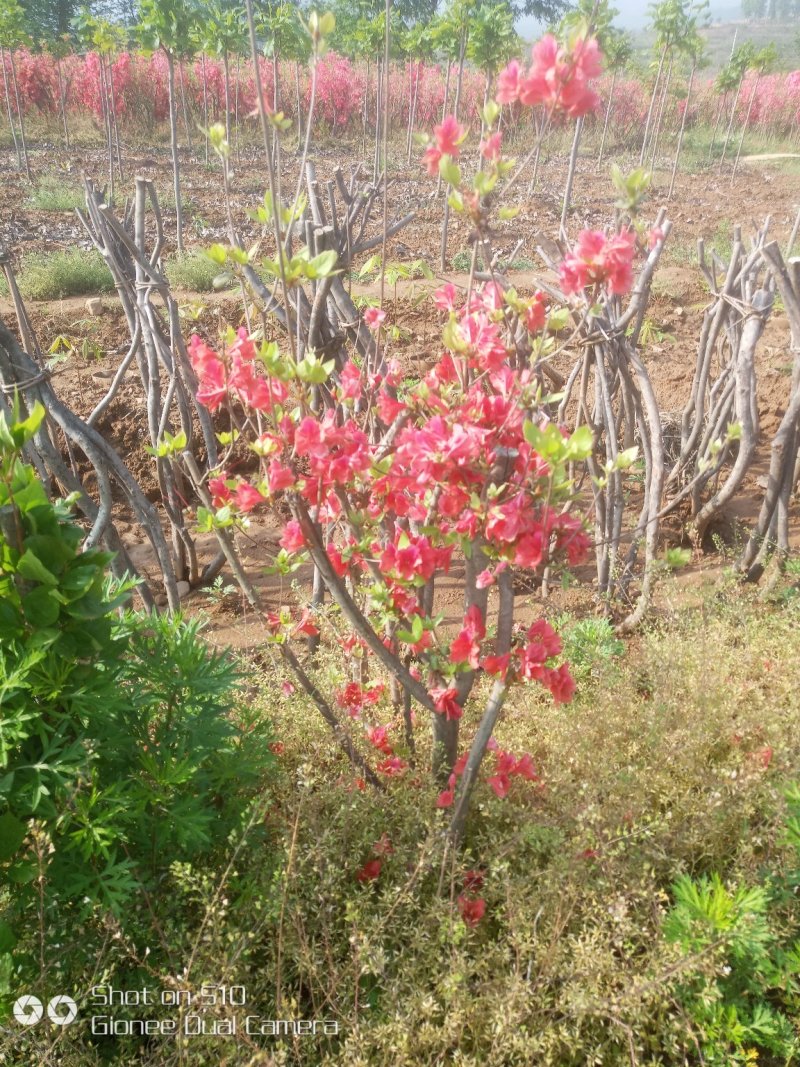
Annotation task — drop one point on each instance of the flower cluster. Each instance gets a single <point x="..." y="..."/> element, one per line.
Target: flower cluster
<point x="598" y="259"/>
<point x="558" y="79"/>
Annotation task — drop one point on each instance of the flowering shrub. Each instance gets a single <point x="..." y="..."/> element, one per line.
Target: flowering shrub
<point x="390" y="482"/>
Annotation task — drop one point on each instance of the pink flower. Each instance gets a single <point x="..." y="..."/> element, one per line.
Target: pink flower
<point x="374" y="318"/>
<point x="656" y="236"/>
<point x="559" y="80"/>
<point x="449" y="135"/>
<point x="597" y="260"/>
<point x="279" y="477"/>
<point x="492" y="147"/>
<point x="445" y="297"/>
<point x="508" y="83"/>
<point x="350" y="379"/>
<point x="445" y="798"/>
<point x="292" y="539"/>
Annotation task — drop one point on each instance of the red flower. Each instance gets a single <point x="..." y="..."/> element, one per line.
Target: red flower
<point x="392" y="767"/>
<point x="471" y="909"/>
<point x="500" y="784"/>
<point x="292" y="539"/>
<point x="446" y="703"/>
<point x="370" y="871"/>
<point x="561" y="684"/>
<point x="535" y="314"/>
<point x="305" y="625"/>
<point x="473" y="880"/>
<point x="379" y="737"/>
<point x="445" y="798"/>
<point x="466" y="647"/>
<point x="247" y="497"/>
<point x="279" y="477"/>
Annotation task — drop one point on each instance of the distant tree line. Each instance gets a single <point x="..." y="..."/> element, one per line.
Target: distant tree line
<point x="53" y="18"/>
<point x="771" y="9"/>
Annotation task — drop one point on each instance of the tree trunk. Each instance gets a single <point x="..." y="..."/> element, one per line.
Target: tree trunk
<point x="378" y="97"/>
<point x="20" y="116"/>
<point x="366" y="113"/>
<point x="573" y="163"/>
<point x="227" y="71"/>
<point x="62" y="96"/>
<point x="113" y="116"/>
<point x="605" y="122"/>
<point x="652" y="105"/>
<point x="412" y="117"/>
<point x="459" y="80"/>
<point x="444" y="113"/>
<point x="105" y="105"/>
<point x="173" y="131"/>
<point x="660" y="118"/>
<point x="722" y="102"/>
<point x="680" y="134"/>
<point x="730" y="123"/>
<point x="746" y="124"/>
<point x="185" y="109"/>
<point x="299" y="117"/>
<point x="8" y="108"/>
<point x="276" y="141"/>
<point x="236" y="106"/>
<point x="205" y="101"/>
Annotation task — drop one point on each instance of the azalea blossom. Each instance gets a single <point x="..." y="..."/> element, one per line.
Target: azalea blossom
<point x="599" y="260"/>
<point x="471" y="909"/>
<point x="370" y="871"/>
<point x="374" y="318"/>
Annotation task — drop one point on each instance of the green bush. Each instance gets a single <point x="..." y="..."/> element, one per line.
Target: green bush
<point x="120" y="750"/>
<point x="72" y="272"/>
<point x="741" y="987"/>
<point x="196" y="272"/>
<point x="53" y="193"/>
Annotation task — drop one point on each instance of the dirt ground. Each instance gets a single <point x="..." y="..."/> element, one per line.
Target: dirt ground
<point x="705" y="205"/>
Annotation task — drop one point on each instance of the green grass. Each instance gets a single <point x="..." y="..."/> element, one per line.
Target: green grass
<point x="55" y="275"/>
<point x="193" y="271"/>
<point x="54" y="193"/>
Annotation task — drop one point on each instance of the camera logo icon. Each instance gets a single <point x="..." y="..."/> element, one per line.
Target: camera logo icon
<point x="29" y="1010"/>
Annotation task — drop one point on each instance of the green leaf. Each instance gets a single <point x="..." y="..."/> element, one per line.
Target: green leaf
<point x="12" y="834"/>
<point x="580" y="444"/>
<point x="450" y="171"/>
<point x="322" y="265"/>
<point x="8" y="938"/>
<point x="32" y="568"/>
<point x="40" y="608"/>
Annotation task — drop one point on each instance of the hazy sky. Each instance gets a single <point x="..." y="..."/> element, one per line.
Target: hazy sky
<point x="633" y="15"/>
